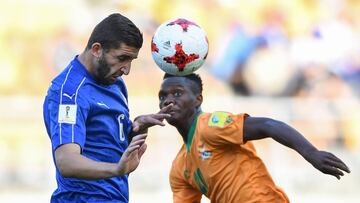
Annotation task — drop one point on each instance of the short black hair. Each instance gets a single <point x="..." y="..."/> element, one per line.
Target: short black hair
<point x="193" y="77"/>
<point x="114" y="30"/>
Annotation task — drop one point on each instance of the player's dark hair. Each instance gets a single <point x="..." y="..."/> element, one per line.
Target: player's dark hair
<point x="114" y="30"/>
<point x="193" y="77"/>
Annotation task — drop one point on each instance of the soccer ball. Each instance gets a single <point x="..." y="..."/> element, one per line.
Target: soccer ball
<point x="179" y="47"/>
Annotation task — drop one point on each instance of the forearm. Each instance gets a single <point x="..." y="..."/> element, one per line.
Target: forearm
<point x="288" y="136"/>
<point x="72" y="164"/>
<point x="260" y="128"/>
<point x="78" y="166"/>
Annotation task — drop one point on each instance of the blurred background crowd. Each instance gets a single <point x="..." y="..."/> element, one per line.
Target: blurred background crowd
<point x="294" y="60"/>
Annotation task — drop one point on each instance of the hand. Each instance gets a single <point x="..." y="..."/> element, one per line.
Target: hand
<point x="131" y="158"/>
<point x="143" y="122"/>
<point x="327" y="163"/>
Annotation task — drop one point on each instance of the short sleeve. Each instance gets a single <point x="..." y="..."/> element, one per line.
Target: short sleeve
<point x="65" y="121"/>
<point x="183" y="192"/>
<point x="223" y="128"/>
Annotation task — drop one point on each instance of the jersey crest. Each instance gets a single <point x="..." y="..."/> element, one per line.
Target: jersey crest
<point x="219" y="119"/>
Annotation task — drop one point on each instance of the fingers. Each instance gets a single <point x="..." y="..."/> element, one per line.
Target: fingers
<point x="136" y="143"/>
<point x="136" y="125"/>
<point x="156" y="119"/>
<point x="131" y="149"/>
<point x="142" y="150"/>
<point x="138" y="137"/>
<point x="160" y="116"/>
<point x="334" y="166"/>
<point x="146" y="121"/>
<point x="332" y="171"/>
<point x="329" y="164"/>
<point x="134" y="146"/>
<point x="337" y="162"/>
<point x="166" y="108"/>
<point x="136" y="129"/>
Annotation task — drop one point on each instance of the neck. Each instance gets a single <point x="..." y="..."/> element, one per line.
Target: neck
<point x="85" y="58"/>
<point x="184" y="128"/>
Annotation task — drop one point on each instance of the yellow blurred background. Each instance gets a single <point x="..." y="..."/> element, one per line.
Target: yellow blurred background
<point x="297" y="61"/>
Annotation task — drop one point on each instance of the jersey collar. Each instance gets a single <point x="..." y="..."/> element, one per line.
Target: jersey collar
<point x="191" y="132"/>
<point x="81" y="68"/>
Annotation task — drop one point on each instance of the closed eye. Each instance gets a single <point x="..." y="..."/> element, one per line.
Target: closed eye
<point x="123" y="58"/>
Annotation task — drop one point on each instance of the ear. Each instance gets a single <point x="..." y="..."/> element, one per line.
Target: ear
<point x="96" y="50"/>
<point x="199" y="100"/>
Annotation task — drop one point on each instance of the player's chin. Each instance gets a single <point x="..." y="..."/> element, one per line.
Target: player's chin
<point x="111" y="80"/>
<point x="172" y="120"/>
<point x="107" y="81"/>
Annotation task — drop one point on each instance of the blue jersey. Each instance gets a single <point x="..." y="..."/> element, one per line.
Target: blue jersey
<point x="77" y="109"/>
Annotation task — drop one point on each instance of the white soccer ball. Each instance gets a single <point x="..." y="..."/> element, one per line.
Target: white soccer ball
<point x="179" y="47"/>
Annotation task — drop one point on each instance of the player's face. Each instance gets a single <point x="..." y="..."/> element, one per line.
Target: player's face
<point x="178" y="91"/>
<point x="115" y="63"/>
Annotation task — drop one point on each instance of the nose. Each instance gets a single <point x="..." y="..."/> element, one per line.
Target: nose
<point x="125" y="69"/>
<point x="169" y="100"/>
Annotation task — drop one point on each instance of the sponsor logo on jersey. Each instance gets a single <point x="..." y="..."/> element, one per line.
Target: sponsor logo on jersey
<point x="203" y="153"/>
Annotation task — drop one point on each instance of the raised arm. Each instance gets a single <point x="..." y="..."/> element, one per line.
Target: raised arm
<point x="258" y="128"/>
<point x="143" y="122"/>
<point x="72" y="164"/>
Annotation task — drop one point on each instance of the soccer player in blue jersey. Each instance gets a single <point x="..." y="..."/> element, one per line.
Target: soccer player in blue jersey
<point x="95" y="145"/>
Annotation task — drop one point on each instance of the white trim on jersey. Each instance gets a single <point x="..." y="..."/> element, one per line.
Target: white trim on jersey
<point x="61" y="92"/>
<point x="62" y="86"/>
<point x="76" y="93"/>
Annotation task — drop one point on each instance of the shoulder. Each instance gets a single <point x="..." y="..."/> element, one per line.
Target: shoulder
<point x="220" y="119"/>
<point x="69" y="78"/>
<point x="219" y="127"/>
<point x="216" y="118"/>
<point x="73" y="82"/>
<point x="68" y="87"/>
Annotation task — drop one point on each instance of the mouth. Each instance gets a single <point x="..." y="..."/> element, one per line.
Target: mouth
<point x="172" y="112"/>
<point x="114" y="77"/>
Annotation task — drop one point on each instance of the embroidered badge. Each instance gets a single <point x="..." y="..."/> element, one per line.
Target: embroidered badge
<point x="67" y="113"/>
<point x="186" y="174"/>
<point x="219" y="119"/>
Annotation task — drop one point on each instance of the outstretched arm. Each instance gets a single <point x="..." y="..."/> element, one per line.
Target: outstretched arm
<point x="72" y="164"/>
<point x="258" y="128"/>
<point x="143" y="122"/>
